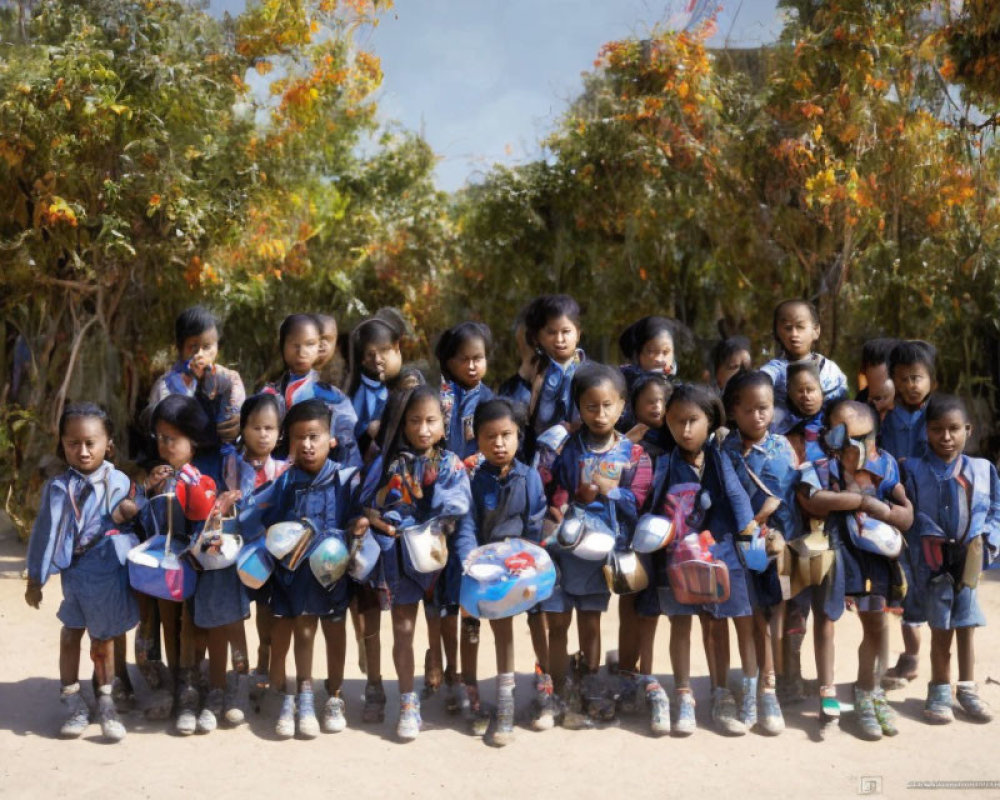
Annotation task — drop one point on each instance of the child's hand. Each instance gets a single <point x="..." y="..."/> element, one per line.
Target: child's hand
<point x="373" y="428"/>
<point x="586" y="493"/>
<point x="605" y="484"/>
<point x="379" y="524"/>
<point x="125" y="511"/>
<point x="358" y="527"/>
<point x="33" y="594"/>
<point x="197" y="365"/>
<point x="874" y="507"/>
<point x="157" y="479"/>
<point x="224" y="502"/>
<point x="229" y="428"/>
<point x="638" y="431"/>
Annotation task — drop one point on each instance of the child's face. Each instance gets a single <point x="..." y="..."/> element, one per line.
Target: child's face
<point x="260" y="434"/>
<point x="881" y="395"/>
<point x="201" y="350"/>
<point x="85" y="443"/>
<point x="689" y="426"/>
<point x="797" y="332"/>
<point x="806" y="393"/>
<point x="173" y="446"/>
<point x="734" y="364"/>
<point x="382" y="360"/>
<point x="657" y="354"/>
<point x="600" y="408"/>
<point x="913" y="383"/>
<point x="651" y="405"/>
<point x="468" y="365"/>
<point x="423" y="426"/>
<point x="754" y="411"/>
<point x="327" y="344"/>
<point x="948" y="434"/>
<point x="309" y="444"/>
<point x="497" y="441"/>
<point x="559" y="338"/>
<point x="301" y="349"/>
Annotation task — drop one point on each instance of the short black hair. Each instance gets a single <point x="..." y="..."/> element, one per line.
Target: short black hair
<point x="744" y="379"/>
<point x="82" y="411"/>
<point x="727" y="348"/>
<point x="453" y="338"/>
<point x="941" y="404"/>
<point x="324" y="319"/>
<point x="189" y="417"/>
<point x="256" y="402"/>
<point x="591" y="374"/>
<point x="499" y="408"/>
<point x="306" y="411"/>
<point x="909" y="352"/>
<point x="782" y="307"/>
<point x="194" y="321"/>
<point x="548" y="307"/>
<point x="877" y="351"/>
<point x="635" y="336"/>
<point x="702" y="397"/>
<point x="407" y="372"/>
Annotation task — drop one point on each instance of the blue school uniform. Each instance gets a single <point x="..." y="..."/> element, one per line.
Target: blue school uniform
<point x="831" y="379"/>
<point x="413" y="490"/>
<point x="74" y="535"/>
<point x="516" y="389"/>
<point x="723" y="508"/>
<point x="773" y="463"/>
<point x="810" y="429"/>
<point x="325" y="500"/>
<point x="555" y="398"/>
<point x="868" y="577"/>
<point x="220" y="391"/>
<point x="458" y="406"/>
<point x="369" y="402"/>
<point x="581" y="583"/>
<point x="512" y="505"/>
<point x="292" y="389"/>
<point x="956" y="502"/>
<point x="903" y="434"/>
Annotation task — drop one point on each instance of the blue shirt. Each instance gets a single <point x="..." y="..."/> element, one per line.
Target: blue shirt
<point x="775" y="464"/>
<point x="458" y="406"/>
<point x="508" y="506"/>
<point x="369" y="402"/>
<point x="831" y="379"/>
<point x="904" y="433"/>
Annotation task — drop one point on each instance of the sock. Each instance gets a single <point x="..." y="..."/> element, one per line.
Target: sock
<point x="104" y="691"/>
<point x="70" y="688"/>
<point x="505" y="683"/>
<point x="769" y="682"/>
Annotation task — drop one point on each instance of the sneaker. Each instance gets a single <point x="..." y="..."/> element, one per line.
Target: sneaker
<point x="453" y="694"/>
<point x="659" y="708"/>
<point x="748" y="703"/>
<point x="884" y="713"/>
<point x="77" y="714"/>
<point x="187" y="711"/>
<point x="899" y="676"/>
<point x="208" y="719"/>
<point x="967" y="694"/>
<point x="937" y="707"/>
<point x="685" y="722"/>
<point x="502" y="732"/>
<point x="472" y="711"/>
<point x="864" y="709"/>
<point x="574" y="718"/>
<point x="829" y="716"/>
<point x="374" y="709"/>
<point x="770" y="720"/>
<point x="107" y="715"/>
<point x="235" y="701"/>
<point x="306" y="720"/>
<point x="334" y="720"/>
<point x="284" y="728"/>
<point x="631" y="692"/>
<point x="543" y="711"/>
<point x="408" y="726"/>
<point x="595" y="698"/>
<point x="724" y="713"/>
<point x="791" y="689"/>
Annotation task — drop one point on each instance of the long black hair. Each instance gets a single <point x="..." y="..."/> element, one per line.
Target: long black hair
<point x="387" y="326"/>
<point x="392" y="431"/>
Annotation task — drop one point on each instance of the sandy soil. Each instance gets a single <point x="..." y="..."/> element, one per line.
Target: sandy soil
<point x="621" y="762"/>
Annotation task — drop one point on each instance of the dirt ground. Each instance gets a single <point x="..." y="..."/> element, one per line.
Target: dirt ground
<point x="618" y="762"/>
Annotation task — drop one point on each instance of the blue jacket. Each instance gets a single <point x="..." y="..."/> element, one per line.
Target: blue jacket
<point x="942" y="507"/>
<point x="775" y="464"/>
<point x="831" y="379"/>
<point x="513" y="505"/>
<point x="555" y="399"/>
<point x="56" y="531"/>
<point x="368" y="402"/>
<point x="459" y="406"/>
<point x="903" y="433"/>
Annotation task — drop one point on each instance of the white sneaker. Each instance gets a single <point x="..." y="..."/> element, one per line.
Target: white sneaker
<point x="285" y="726"/>
<point x="334" y="720"/>
<point x="77" y="714"/>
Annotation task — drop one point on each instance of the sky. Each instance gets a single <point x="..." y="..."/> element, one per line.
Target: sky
<point x="485" y="80"/>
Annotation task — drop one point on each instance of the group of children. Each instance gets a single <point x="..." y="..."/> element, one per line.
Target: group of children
<point x="783" y="499"/>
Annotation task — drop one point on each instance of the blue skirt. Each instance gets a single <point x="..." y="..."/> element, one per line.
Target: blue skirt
<point x="220" y="598"/>
<point x="97" y="595"/>
<point x="298" y="593"/>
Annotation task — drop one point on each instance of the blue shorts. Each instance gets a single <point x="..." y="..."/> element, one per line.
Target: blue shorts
<point x="948" y="607"/>
<point x="562" y="601"/>
<point x="298" y="593"/>
<point x="97" y="595"/>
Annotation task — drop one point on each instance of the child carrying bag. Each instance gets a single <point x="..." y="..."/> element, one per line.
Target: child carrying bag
<point x="695" y="576"/>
